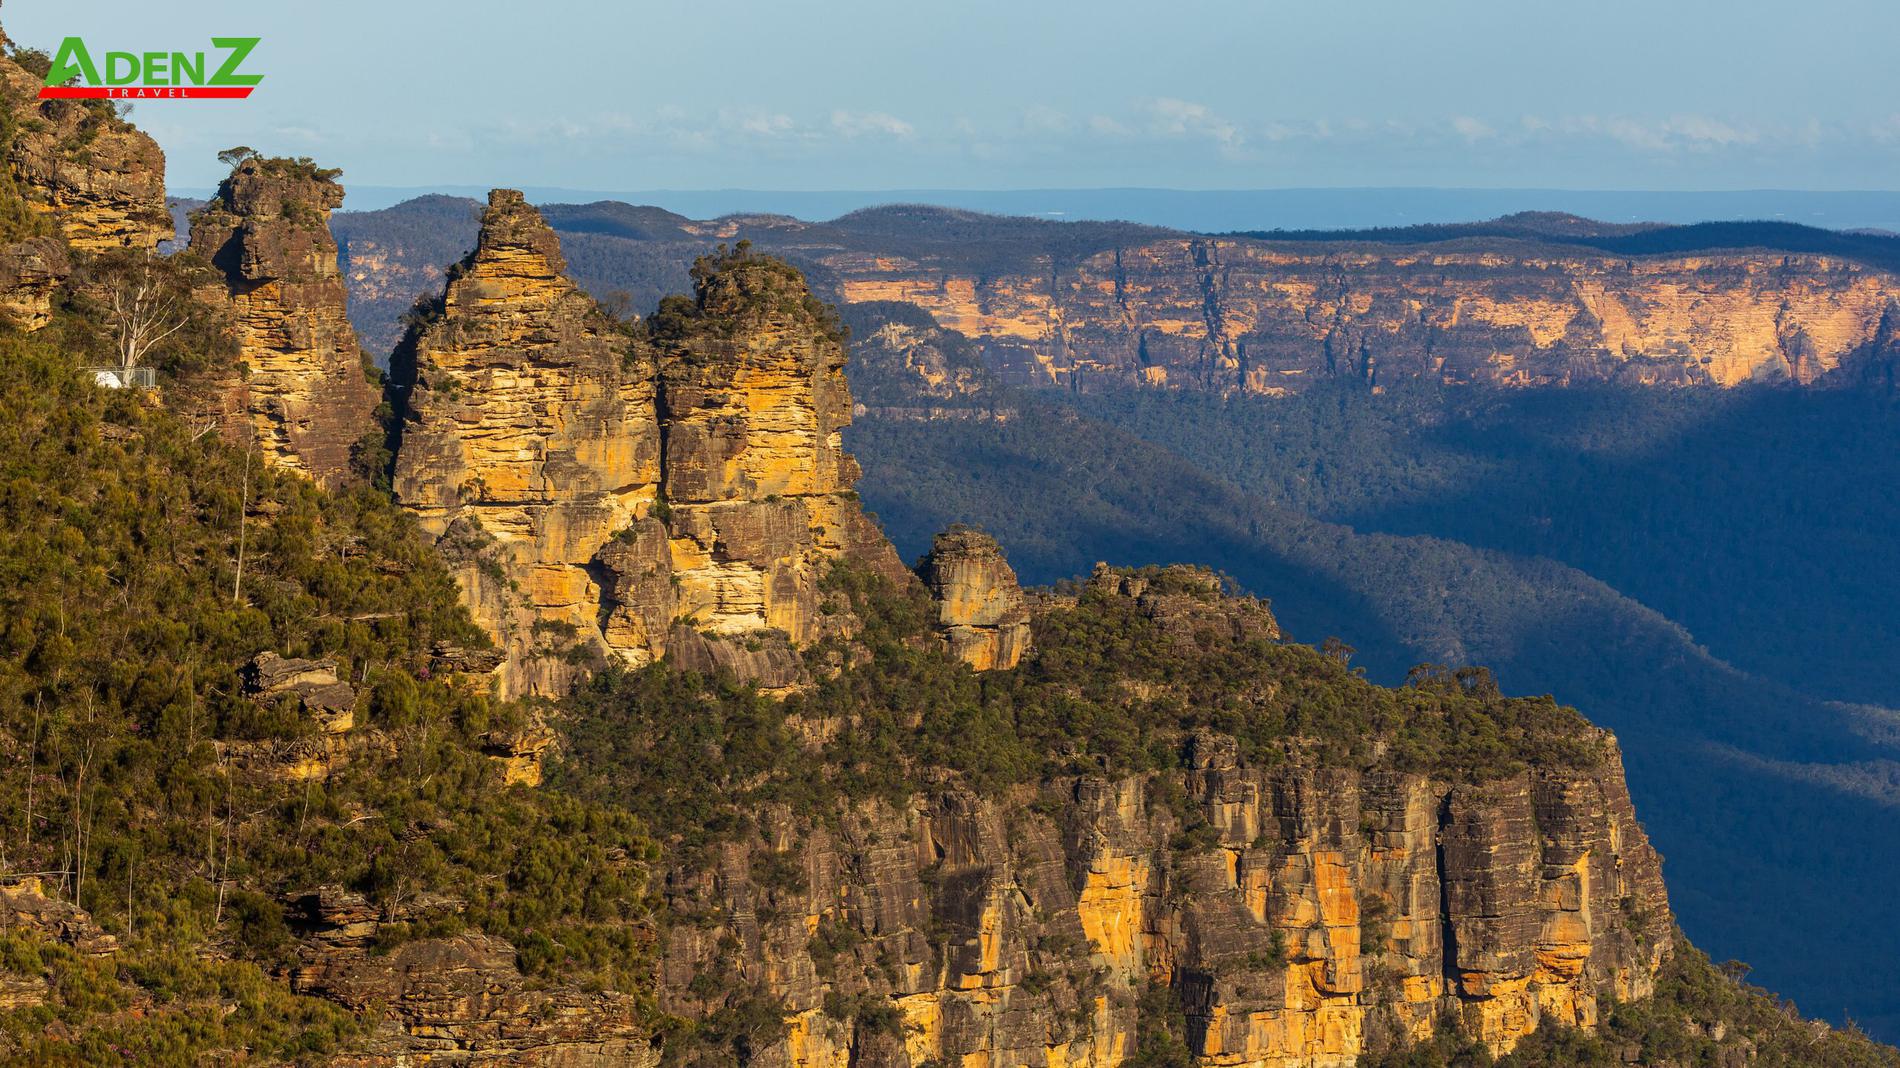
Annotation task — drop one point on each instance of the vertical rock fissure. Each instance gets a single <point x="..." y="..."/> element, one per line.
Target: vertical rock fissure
<point x="1447" y="930"/>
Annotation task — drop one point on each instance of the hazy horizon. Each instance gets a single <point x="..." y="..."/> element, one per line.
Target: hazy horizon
<point x="1617" y="95"/>
<point x="1219" y="210"/>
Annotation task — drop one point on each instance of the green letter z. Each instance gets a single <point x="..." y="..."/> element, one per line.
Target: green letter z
<point x="227" y="74"/>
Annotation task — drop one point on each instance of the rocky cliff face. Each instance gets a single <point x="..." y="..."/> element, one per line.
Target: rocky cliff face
<point x="754" y="402"/>
<point x="303" y="394"/>
<point x="99" y="178"/>
<point x="31" y="272"/>
<point x="529" y="439"/>
<point x="1301" y="914"/>
<point x="980" y="607"/>
<point x="1089" y="305"/>
<point x="78" y="177"/>
<point x="1250" y="316"/>
<point x="614" y="494"/>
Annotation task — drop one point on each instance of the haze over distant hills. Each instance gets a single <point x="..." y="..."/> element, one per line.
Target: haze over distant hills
<point x="1220" y="210"/>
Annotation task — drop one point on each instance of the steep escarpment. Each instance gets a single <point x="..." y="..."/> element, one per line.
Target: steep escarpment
<point x="1089" y="305"/>
<point x="301" y="393"/>
<point x="618" y="494"/>
<point x="1256" y="317"/>
<point x="1311" y="915"/>
<point x="1162" y="805"/>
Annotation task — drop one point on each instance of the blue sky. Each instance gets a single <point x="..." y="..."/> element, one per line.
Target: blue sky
<point x="847" y="94"/>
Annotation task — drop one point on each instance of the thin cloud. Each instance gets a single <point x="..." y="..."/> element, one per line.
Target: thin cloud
<point x="870" y="124"/>
<point x="1472" y="130"/>
<point x="759" y="124"/>
<point x="1185" y="118"/>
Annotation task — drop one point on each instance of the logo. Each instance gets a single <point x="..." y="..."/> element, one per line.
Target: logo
<point x="152" y="75"/>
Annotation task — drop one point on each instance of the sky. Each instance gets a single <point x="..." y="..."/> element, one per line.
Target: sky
<point x="980" y="94"/>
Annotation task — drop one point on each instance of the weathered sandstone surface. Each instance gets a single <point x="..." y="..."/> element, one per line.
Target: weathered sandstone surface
<point x="609" y="495"/>
<point x="1250" y="316"/>
<point x="754" y="403"/>
<point x="97" y="177"/>
<point x="1301" y="914"/>
<point x="980" y="607"/>
<point x="302" y="388"/>
<point x="89" y="182"/>
<point x="31" y="272"/>
<point x="529" y="439"/>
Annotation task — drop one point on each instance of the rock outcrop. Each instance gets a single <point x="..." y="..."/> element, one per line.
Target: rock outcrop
<point x="313" y="685"/>
<point x="97" y="177"/>
<point x="1324" y="912"/>
<point x="529" y="439"/>
<point x="31" y="272"/>
<point x="303" y="392"/>
<point x="454" y="1000"/>
<point x="25" y="906"/>
<point x="610" y="494"/>
<point x="980" y="608"/>
<point x="758" y="485"/>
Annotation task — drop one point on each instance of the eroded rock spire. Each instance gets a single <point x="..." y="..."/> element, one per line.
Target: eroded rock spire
<point x="304" y="395"/>
<point x="980" y="609"/>
<point x="529" y="439"/>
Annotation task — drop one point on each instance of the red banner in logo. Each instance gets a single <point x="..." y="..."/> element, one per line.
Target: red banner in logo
<point x="145" y="92"/>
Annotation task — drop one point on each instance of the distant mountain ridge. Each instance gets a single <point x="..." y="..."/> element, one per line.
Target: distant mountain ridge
<point x="1539" y="299"/>
<point x="1226" y="210"/>
<point x="1874" y="248"/>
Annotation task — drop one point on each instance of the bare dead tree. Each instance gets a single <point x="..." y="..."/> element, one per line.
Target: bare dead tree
<point x="145" y="311"/>
<point x="244" y="507"/>
<point x="32" y="770"/>
<point x="224" y="875"/>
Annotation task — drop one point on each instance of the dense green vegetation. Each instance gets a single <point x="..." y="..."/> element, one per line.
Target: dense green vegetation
<point x="1756" y="519"/>
<point x="734" y="286"/>
<point x="157" y="1002"/>
<point x="1108" y="689"/>
<point x="142" y="563"/>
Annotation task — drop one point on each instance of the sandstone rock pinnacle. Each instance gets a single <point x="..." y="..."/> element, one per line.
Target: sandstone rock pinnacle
<point x="980" y="607"/>
<point x="529" y="439"/>
<point x="267" y="233"/>
<point x="617" y="493"/>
